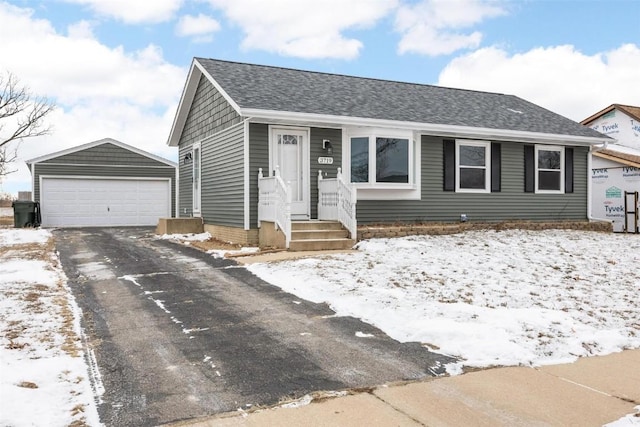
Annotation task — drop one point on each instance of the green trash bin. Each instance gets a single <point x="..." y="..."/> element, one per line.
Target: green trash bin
<point x="26" y="214"/>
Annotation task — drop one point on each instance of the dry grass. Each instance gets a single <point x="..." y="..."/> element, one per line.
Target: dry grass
<point x="39" y="298"/>
<point x="27" y="384"/>
<point x="211" y="244"/>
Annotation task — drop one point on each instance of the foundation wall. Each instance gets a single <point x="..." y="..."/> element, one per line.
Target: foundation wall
<point x="233" y="234"/>
<point x="399" y="230"/>
<point x="179" y="226"/>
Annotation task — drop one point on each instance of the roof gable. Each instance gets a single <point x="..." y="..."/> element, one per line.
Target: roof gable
<point x="631" y="111"/>
<point x="100" y="151"/>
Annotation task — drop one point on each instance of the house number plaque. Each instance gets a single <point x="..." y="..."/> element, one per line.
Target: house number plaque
<point x="325" y="160"/>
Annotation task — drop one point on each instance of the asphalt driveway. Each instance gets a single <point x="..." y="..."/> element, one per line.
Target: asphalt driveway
<point x="178" y="334"/>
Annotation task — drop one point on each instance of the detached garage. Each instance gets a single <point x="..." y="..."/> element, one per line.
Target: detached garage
<point x="103" y="183"/>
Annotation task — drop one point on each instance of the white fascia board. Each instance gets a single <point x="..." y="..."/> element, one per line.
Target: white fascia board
<point x="423" y="128"/>
<point x="188" y="92"/>
<point x="100" y="142"/>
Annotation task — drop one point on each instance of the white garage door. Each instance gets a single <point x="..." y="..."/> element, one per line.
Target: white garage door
<point x="74" y="202"/>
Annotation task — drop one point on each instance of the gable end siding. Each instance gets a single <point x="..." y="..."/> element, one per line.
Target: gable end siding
<point x="511" y="203"/>
<point x="106" y="154"/>
<point x="209" y="114"/>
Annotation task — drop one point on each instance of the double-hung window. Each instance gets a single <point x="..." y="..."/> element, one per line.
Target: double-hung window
<point x="549" y="161"/>
<point x="473" y="166"/>
<point x="382" y="159"/>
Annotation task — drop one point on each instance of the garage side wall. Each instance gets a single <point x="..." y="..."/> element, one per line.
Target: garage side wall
<point x="73" y="170"/>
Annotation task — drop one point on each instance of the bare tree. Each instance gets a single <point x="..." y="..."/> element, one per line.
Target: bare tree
<point x="21" y="116"/>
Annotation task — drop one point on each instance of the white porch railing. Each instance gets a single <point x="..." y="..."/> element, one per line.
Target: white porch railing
<point x="337" y="202"/>
<point x="274" y="202"/>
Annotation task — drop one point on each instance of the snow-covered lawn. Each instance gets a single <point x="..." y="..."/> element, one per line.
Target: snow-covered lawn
<point x="43" y="375"/>
<point x="487" y="297"/>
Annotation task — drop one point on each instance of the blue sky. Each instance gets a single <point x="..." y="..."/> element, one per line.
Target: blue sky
<point x="116" y="68"/>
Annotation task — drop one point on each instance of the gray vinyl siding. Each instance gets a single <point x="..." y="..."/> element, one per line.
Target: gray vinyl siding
<point x="328" y="171"/>
<point x="106" y="154"/>
<point x="97" y="171"/>
<point x="223" y="178"/>
<point x="512" y="203"/>
<point x="259" y="158"/>
<point x="210" y="114"/>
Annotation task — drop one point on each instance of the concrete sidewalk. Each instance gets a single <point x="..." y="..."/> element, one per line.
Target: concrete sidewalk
<point x="591" y="392"/>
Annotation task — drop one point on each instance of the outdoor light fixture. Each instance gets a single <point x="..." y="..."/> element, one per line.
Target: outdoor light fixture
<point x="326" y="145"/>
<point x="187" y="158"/>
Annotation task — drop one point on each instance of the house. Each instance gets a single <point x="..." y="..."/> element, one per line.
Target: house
<point x="103" y="183"/>
<point x="615" y="167"/>
<point x="264" y="151"/>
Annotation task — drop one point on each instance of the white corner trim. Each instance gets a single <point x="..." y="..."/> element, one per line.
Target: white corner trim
<point x="247" y="178"/>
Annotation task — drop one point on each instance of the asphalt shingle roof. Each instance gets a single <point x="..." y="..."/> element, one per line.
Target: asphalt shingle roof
<point x="288" y="90"/>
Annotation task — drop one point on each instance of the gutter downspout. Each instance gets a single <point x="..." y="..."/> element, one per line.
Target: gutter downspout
<point x="590" y="217"/>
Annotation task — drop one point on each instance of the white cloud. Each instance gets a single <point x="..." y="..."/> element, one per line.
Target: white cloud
<point x="429" y="27"/>
<point x="100" y="91"/>
<point x="201" y="27"/>
<point x="559" y="78"/>
<point x="80" y="30"/>
<point x="134" y="11"/>
<point x="304" y="29"/>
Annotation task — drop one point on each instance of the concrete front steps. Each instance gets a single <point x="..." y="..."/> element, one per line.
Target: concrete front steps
<point x="319" y="236"/>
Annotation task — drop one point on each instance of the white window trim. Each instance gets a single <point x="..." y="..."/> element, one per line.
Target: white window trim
<point x="196" y="196"/>
<point x="562" y="167"/>
<point x="384" y="190"/>
<point x="486" y="167"/>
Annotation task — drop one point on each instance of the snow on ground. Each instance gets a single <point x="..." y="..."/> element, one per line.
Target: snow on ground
<point x="221" y="253"/>
<point x="488" y="297"/>
<point x="44" y="377"/>
<point x="631" y="420"/>
<point x="200" y="237"/>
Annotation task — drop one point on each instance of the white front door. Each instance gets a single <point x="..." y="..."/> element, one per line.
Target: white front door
<point x="290" y="153"/>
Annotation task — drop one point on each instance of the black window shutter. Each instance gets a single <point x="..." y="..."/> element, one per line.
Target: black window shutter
<point x="568" y="170"/>
<point x="449" y="148"/>
<point x="529" y="169"/>
<point x="496" y="167"/>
